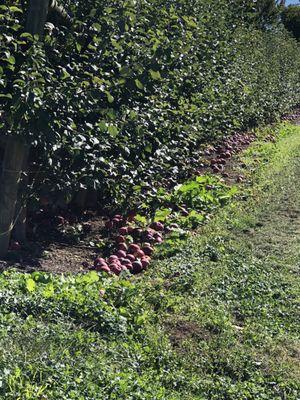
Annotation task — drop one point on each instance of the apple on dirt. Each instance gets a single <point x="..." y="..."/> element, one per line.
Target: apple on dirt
<point x="130" y="257"/>
<point x="122" y="246"/>
<point x="120" y="239"/>
<point x="109" y="225"/>
<point x="15" y="246"/>
<point x="133" y="248"/>
<point x="121" y="254"/>
<point x="105" y="268"/>
<point x="123" y="231"/>
<point x="112" y="258"/>
<point x="139" y="254"/>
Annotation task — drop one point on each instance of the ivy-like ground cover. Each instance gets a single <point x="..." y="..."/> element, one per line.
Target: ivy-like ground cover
<point x="220" y="320"/>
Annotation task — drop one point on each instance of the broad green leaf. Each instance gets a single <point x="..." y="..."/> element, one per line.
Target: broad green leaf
<point x="155" y="75"/>
<point x="139" y="84"/>
<point x="30" y="285"/>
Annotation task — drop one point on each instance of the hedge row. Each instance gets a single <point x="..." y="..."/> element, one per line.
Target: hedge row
<point x="125" y="96"/>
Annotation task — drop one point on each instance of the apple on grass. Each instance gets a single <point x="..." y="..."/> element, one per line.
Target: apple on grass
<point x="137" y="267"/>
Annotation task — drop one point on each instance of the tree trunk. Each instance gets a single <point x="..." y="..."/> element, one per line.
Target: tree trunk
<point x="10" y="177"/>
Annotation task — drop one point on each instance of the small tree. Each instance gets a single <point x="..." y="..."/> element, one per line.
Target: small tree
<point x="291" y="20"/>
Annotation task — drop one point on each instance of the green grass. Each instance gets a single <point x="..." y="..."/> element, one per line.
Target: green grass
<point x="219" y="320"/>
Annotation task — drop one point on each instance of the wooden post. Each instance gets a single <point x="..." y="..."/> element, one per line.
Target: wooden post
<point x="37" y="16"/>
<point x="19" y="232"/>
<point x="9" y="182"/>
<point x="16" y="149"/>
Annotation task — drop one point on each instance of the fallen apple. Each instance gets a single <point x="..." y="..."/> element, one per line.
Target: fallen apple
<point x="130" y="257"/>
<point x="15" y="246"/>
<point x="112" y="258"/>
<point x="133" y="248"/>
<point x="121" y="254"/>
<point x="122" y="246"/>
<point x="145" y="262"/>
<point x="139" y="254"/>
<point x="148" y="250"/>
<point x="123" y="230"/>
<point x="109" y="225"/>
<point x="120" y="239"/>
<point x="137" y="267"/>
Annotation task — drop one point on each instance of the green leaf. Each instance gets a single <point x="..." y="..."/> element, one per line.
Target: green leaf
<point x="11" y="60"/>
<point x="110" y="98"/>
<point x="139" y="84"/>
<point x="91" y="277"/>
<point x="15" y="9"/>
<point x="155" y="75"/>
<point x="48" y="291"/>
<point x="161" y="215"/>
<point x="8" y="96"/>
<point x="30" y="285"/>
<point x="113" y="130"/>
<point x="141" y="219"/>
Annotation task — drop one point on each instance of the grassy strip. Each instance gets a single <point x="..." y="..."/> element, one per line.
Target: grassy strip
<point x="219" y="320"/>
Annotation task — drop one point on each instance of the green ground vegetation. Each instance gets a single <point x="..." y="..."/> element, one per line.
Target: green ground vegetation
<point x="218" y="320"/>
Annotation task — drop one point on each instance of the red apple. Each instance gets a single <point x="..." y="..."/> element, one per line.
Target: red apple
<point x="122" y="246"/>
<point x="15" y="246"/>
<point x="130" y="229"/>
<point x="112" y="258"/>
<point x="145" y="262"/>
<point x="125" y="261"/>
<point x="105" y="268"/>
<point x="123" y="230"/>
<point x="137" y="267"/>
<point x="99" y="260"/>
<point x="130" y="257"/>
<point x="148" y="250"/>
<point x="109" y="224"/>
<point x="99" y="266"/>
<point x="121" y="254"/>
<point x="116" y="269"/>
<point x="120" y="239"/>
<point x="139" y="254"/>
<point x="137" y="231"/>
<point x="133" y="248"/>
<point x="158" y="226"/>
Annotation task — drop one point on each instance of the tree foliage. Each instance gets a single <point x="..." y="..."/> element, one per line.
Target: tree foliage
<point x="291" y="20"/>
<point x="128" y="92"/>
